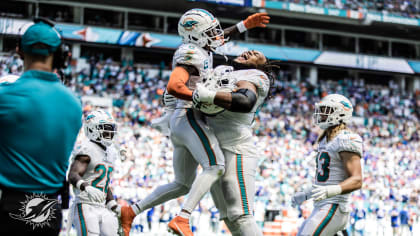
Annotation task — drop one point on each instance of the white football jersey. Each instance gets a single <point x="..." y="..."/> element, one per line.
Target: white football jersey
<point x="330" y="167"/>
<point x="233" y="129"/>
<point x="193" y="55"/>
<point x="99" y="170"/>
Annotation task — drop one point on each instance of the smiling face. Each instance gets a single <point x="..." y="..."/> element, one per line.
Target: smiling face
<point x="252" y="57"/>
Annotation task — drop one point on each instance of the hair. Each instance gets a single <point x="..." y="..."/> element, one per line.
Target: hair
<point x="269" y="69"/>
<point x="331" y="132"/>
<point x="36" y="57"/>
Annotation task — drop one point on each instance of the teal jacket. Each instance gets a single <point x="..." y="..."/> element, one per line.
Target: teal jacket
<point x="39" y="122"/>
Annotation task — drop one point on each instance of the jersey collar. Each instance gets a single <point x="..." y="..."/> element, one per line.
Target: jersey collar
<point x="40" y="75"/>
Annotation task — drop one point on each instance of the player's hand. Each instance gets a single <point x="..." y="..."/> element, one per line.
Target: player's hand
<point x="202" y="94"/>
<point x="323" y="192"/>
<point x="298" y="198"/>
<point x="168" y="99"/>
<point x="95" y="194"/>
<point x="114" y="207"/>
<point x="257" y="20"/>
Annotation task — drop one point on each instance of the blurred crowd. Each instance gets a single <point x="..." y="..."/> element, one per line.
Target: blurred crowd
<point x="405" y="8"/>
<point x="385" y="116"/>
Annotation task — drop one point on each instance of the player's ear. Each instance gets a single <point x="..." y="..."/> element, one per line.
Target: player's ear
<point x="19" y="52"/>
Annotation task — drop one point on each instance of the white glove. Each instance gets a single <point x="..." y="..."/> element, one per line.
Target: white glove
<point x="162" y="123"/>
<point x="95" y="194"/>
<point x="168" y="99"/>
<point x="202" y="94"/>
<point x="322" y="192"/>
<point x="113" y="206"/>
<point x="298" y="198"/>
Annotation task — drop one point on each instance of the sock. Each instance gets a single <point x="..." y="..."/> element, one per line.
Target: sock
<point x="185" y="214"/>
<point x="248" y="226"/>
<point x="201" y="186"/>
<point x="160" y="195"/>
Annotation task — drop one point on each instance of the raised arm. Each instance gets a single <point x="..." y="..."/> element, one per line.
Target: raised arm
<point x="252" y="21"/>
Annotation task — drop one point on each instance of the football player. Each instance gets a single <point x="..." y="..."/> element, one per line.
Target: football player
<point x="234" y="193"/>
<point x="194" y="143"/>
<point x="339" y="170"/>
<point x="90" y="172"/>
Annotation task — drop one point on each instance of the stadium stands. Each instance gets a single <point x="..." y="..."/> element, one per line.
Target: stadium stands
<point x="387" y="119"/>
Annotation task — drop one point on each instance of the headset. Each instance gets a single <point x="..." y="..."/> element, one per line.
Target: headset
<point x="61" y="56"/>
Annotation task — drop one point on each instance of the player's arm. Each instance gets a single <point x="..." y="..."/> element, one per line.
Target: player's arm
<point x="254" y="20"/>
<point x="178" y="79"/>
<point x="77" y="170"/>
<point x="242" y="99"/>
<point x="353" y="168"/>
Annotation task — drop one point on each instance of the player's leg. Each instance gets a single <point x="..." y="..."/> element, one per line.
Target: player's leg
<point x="109" y="222"/>
<point x="85" y="220"/>
<point x="326" y="220"/>
<point x="238" y="186"/>
<point x="202" y="143"/>
<point x="219" y="201"/>
<point x="185" y="168"/>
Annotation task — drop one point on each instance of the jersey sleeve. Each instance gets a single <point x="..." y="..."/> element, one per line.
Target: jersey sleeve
<point x="80" y="149"/>
<point x="349" y="142"/>
<point x="189" y="54"/>
<point x="260" y="80"/>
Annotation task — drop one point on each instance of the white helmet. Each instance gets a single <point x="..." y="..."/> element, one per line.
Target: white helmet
<point x="332" y="110"/>
<point x="100" y="127"/>
<point x="200" y="27"/>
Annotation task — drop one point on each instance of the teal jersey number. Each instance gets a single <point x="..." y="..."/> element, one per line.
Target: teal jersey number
<point x="104" y="172"/>
<point x="323" y="167"/>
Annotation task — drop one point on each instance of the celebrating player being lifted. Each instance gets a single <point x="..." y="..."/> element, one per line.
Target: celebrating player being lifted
<point x="339" y="170"/>
<point x="194" y="143"/>
<point x="90" y="173"/>
<point x="234" y="193"/>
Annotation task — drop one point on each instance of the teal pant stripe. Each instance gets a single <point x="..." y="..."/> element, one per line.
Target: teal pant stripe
<point x="202" y="136"/>
<point x="239" y="171"/>
<point x="326" y="220"/>
<point x="82" y="220"/>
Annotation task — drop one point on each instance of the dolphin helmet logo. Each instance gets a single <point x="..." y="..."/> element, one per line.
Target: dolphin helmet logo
<point x="189" y="24"/>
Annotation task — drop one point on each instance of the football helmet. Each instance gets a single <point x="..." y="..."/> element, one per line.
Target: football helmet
<point x="332" y="110"/>
<point x="100" y="127"/>
<point x="200" y="27"/>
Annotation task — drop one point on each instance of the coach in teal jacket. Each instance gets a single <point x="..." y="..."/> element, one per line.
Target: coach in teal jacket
<point x="39" y="119"/>
<point x="39" y="122"/>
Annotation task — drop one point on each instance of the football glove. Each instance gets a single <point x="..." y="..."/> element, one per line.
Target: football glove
<point x="168" y="99"/>
<point x="323" y="192"/>
<point x="113" y="206"/>
<point x="95" y="194"/>
<point x="202" y="94"/>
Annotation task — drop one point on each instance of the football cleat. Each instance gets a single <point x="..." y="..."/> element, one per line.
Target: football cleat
<point x="180" y="226"/>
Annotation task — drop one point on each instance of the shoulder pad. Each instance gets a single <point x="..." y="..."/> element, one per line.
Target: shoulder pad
<point x="259" y="79"/>
<point x="81" y="148"/>
<point x="190" y="54"/>
<point x="347" y="141"/>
